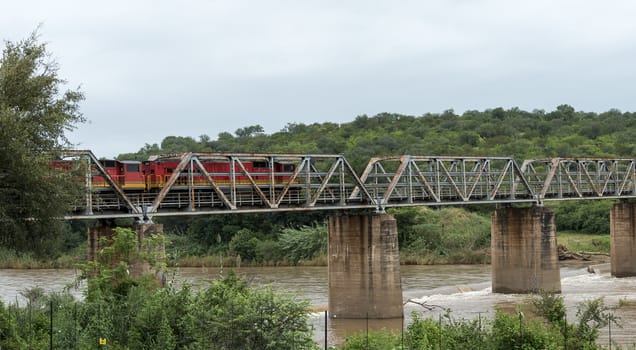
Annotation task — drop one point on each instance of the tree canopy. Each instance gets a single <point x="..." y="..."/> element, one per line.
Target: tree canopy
<point x="563" y="132"/>
<point x="34" y="115"/>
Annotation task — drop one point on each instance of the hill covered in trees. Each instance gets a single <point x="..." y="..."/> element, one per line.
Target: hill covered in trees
<point x="563" y="132"/>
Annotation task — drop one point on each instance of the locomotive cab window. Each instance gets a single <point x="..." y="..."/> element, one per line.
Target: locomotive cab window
<point x="261" y="165"/>
<point x="108" y="163"/>
<point x="289" y="167"/>
<point x="132" y="168"/>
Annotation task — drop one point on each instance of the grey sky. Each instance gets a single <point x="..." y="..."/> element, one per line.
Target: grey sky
<point x="152" y="69"/>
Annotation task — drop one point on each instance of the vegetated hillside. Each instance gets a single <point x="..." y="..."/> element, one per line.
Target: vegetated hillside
<point x="563" y="132"/>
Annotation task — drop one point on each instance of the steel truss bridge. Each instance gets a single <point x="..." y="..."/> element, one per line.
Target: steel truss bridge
<point x="328" y="182"/>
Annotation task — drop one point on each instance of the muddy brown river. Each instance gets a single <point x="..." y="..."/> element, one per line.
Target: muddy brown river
<point x="465" y="289"/>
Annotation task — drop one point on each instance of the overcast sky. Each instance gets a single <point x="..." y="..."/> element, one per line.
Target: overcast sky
<point x="152" y="69"/>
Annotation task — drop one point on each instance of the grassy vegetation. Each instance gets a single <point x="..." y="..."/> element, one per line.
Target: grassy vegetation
<point x="218" y="260"/>
<point x="573" y="241"/>
<point x="547" y="328"/>
<point x="584" y="242"/>
<point x="11" y="259"/>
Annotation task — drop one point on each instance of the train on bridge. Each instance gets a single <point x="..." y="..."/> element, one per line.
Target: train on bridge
<point x="153" y="175"/>
<point x="206" y="183"/>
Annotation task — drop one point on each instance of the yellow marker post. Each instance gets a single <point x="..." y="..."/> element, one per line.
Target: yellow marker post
<point x="102" y="341"/>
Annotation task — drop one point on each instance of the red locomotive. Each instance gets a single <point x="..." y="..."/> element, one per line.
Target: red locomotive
<point x="152" y="175"/>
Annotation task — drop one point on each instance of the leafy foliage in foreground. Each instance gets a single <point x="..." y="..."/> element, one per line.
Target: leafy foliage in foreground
<point x="131" y="313"/>
<point x="506" y="331"/>
<point x="226" y="315"/>
<point x="128" y="313"/>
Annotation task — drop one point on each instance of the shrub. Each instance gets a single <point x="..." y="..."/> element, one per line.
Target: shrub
<point x="9" y="338"/>
<point x="518" y="332"/>
<point x="305" y="243"/>
<point x="452" y="233"/>
<point x="373" y="340"/>
<point x="244" y="243"/>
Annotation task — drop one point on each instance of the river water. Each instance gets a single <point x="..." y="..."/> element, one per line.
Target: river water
<point x="465" y="289"/>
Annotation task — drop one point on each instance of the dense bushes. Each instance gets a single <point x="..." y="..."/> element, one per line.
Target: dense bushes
<point x="225" y="315"/>
<point x="283" y="246"/>
<point x="306" y="243"/>
<point x="230" y="315"/>
<point x="445" y="235"/>
<point x="546" y="329"/>
<point x="131" y="313"/>
<point x="583" y="216"/>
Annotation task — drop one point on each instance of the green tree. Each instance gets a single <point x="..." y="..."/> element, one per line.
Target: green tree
<point x="178" y="144"/>
<point x="34" y="115"/>
<point x="249" y="131"/>
<point x="230" y="315"/>
<point x="593" y="315"/>
<point x="303" y="244"/>
<point x="244" y="243"/>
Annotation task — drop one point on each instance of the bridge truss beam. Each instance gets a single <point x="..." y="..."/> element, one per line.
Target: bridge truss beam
<point x="311" y="182"/>
<point x="580" y="178"/>
<point x="418" y="180"/>
<point x="292" y="182"/>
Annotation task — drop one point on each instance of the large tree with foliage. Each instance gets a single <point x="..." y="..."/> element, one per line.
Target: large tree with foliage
<point x="35" y="113"/>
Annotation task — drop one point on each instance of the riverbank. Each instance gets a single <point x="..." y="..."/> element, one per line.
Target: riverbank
<point x="595" y="247"/>
<point x="11" y="259"/>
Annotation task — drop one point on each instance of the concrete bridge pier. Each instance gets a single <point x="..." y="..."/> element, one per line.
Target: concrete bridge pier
<point x="524" y="251"/>
<point x="623" y="239"/>
<point x="137" y="268"/>
<point x="95" y="234"/>
<point x="364" y="267"/>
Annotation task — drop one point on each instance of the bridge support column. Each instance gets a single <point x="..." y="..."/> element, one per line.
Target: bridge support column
<point x="137" y="268"/>
<point x="364" y="267"/>
<point x="524" y="251"/>
<point x="623" y="239"/>
<point x="95" y="234"/>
